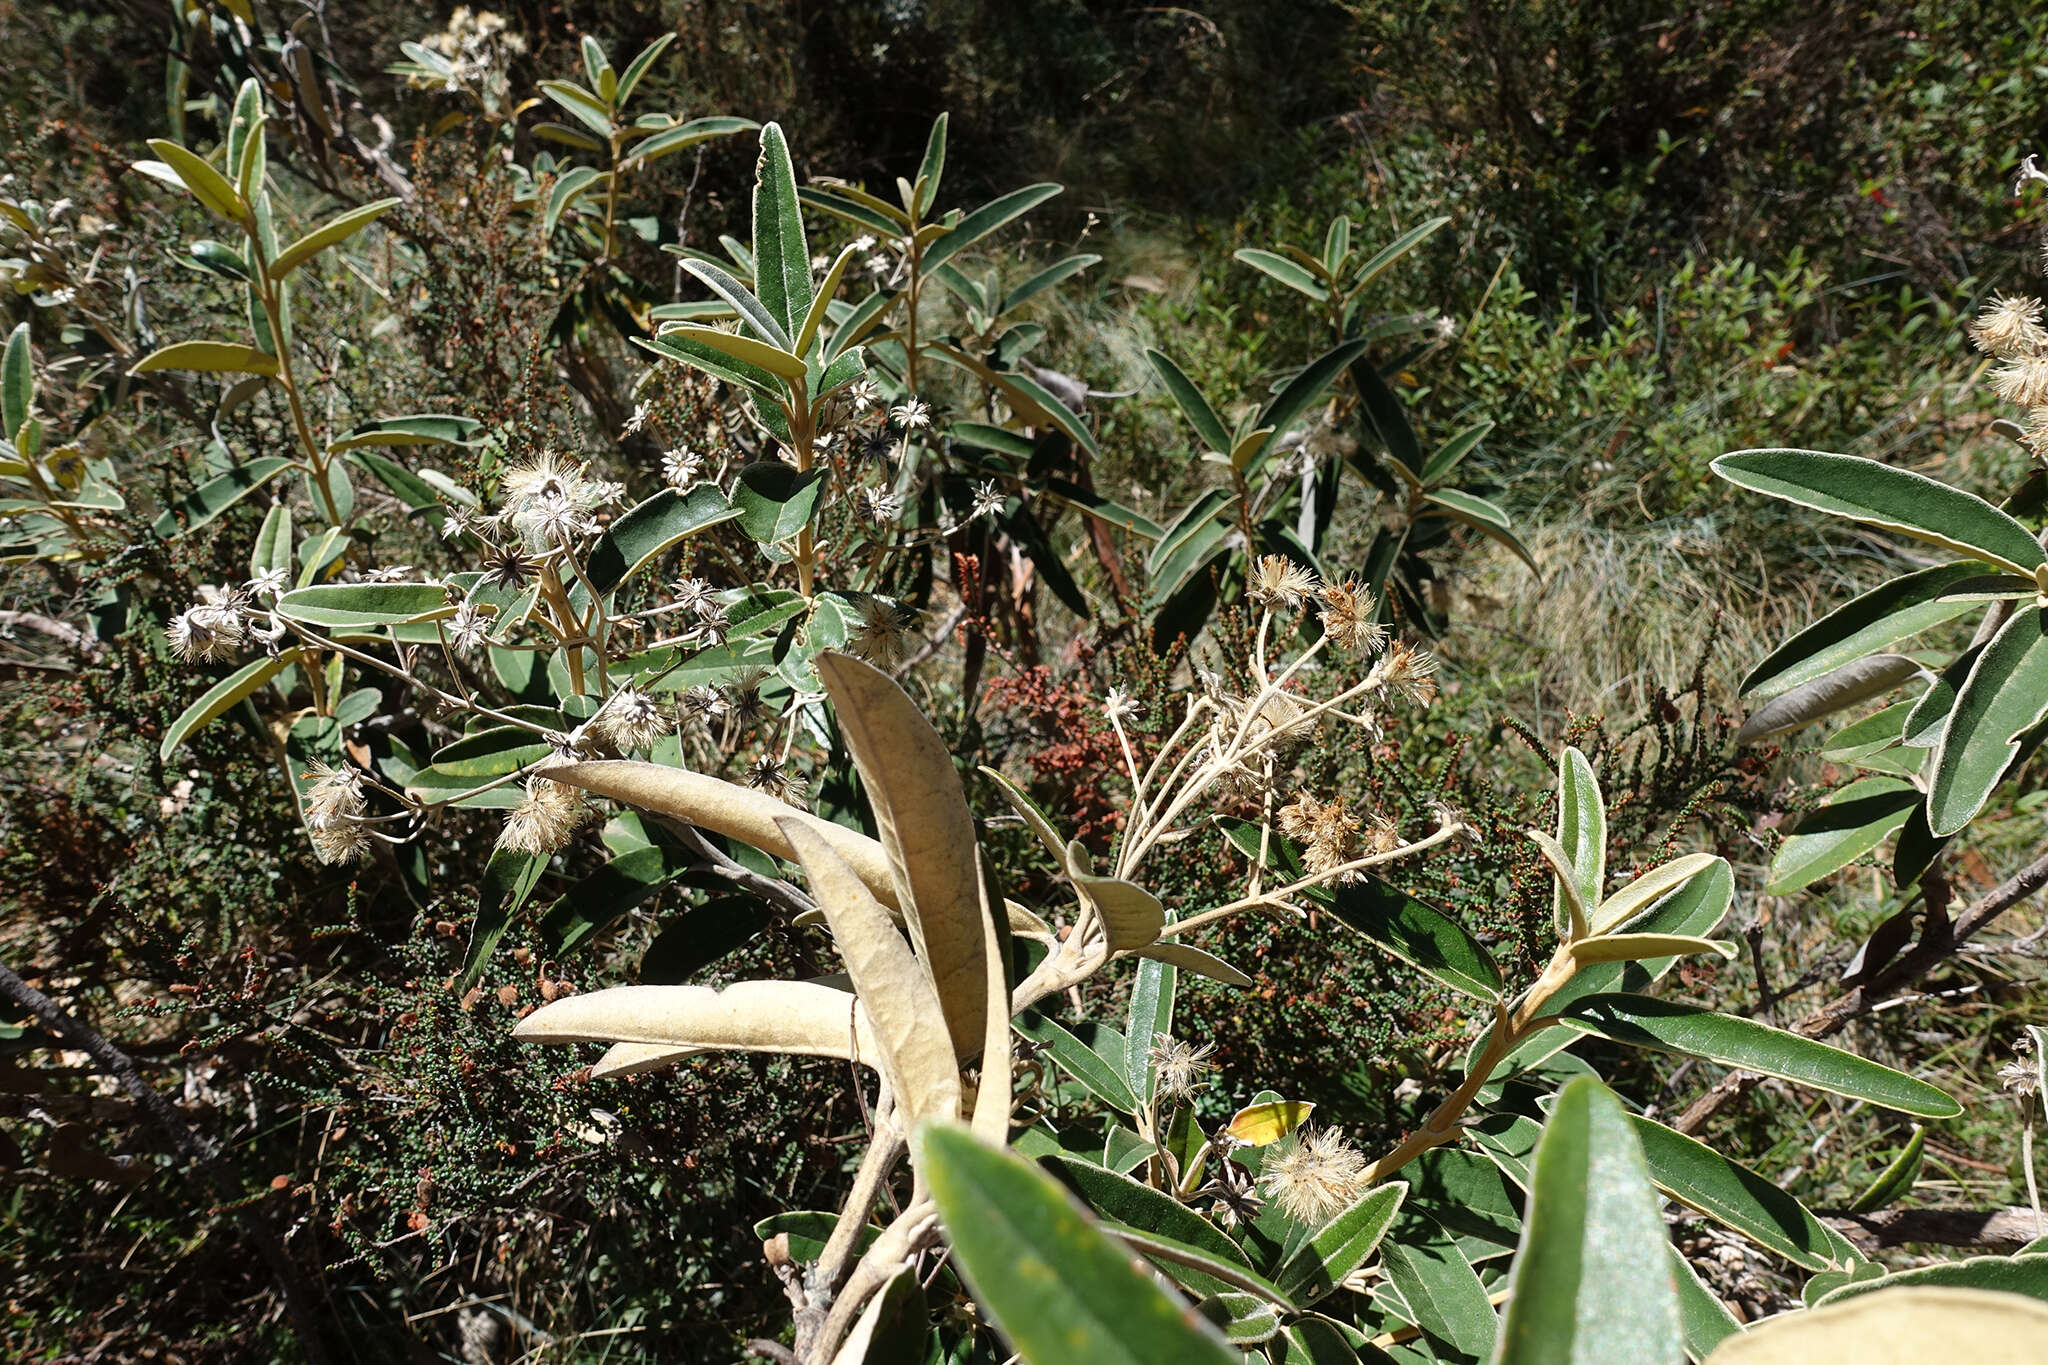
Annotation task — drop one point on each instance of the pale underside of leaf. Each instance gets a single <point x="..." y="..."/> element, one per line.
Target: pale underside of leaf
<point x="795" y="1017"/>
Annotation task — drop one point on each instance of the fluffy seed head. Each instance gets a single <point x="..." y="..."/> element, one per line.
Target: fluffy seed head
<point x="2010" y="327"/>
<point x="1317" y="1178"/>
<point x="2022" y="380"/>
<point x="1347" y="614"/>
<point x="1278" y="583"/>
<point x="547" y="817"/>
<point x="628" y="720"/>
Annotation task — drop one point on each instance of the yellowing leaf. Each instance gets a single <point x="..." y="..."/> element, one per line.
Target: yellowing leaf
<point x="773" y="359"/>
<point x="796" y="1017"/>
<point x="1898" y="1324"/>
<point x="208" y="355"/>
<point x="1635" y="947"/>
<point x="921" y="813"/>
<point x="729" y="809"/>
<point x="1256" y="1125"/>
<point x="206" y="184"/>
<point x="916" y="1054"/>
<point x="1639" y="894"/>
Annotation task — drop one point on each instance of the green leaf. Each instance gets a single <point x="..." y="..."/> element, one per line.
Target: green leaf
<point x="1876" y="621"/>
<point x="719" y="365"/>
<point x="586" y="108"/>
<point x="1691" y="1031"/>
<point x="1296" y="277"/>
<point x="1058" y="413"/>
<point x="568" y="187"/>
<point x="701" y="936"/>
<point x="638" y="68"/>
<point x="509" y="878"/>
<point x="1895" y="499"/>
<point x="1340" y="1246"/>
<point x="365" y="604"/>
<point x="1870" y="735"/>
<point x="598" y="67"/>
<point x="758" y="354"/>
<point x="212" y="356"/>
<point x="1444" y="1293"/>
<point x="1843" y="687"/>
<point x="613" y="889"/>
<point x="1122" y="1201"/>
<point x="1300" y="393"/>
<point x="1451" y="452"/>
<point x="782" y="263"/>
<point x="743" y="301"/>
<point x="273" y="547"/>
<point x="1059" y="1291"/>
<point x="418" y="429"/>
<point x="1635" y="947"/>
<point x="2005" y="695"/>
<point x="1592" y="1282"/>
<point x="775" y="501"/>
<point x="1092" y="1054"/>
<point x="223" y="696"/>
<point x="1045" y="279"/>
<point x="881" y="219"/>
<point x="1484" y="517"/>
<point x="1703" y="1318"/>
<point x="1385" y="416"/>
<point x="2023" y="1274"/>
<point x="1394" y="251"/>
<point x="987" y="219"/>
<point x="684" y="135"/>
<point x="206" y="502"/>
<point x="1419" y="934"/>
<point x="1190" y="401"/>
<point x="491" y="752"/>
<point x="335" y="230"/>
<point x="1850" y="823"/>
<point x="1581" y="833"/>
<point x="197" y="176"/>
<point x="17" y="383"/>
<point x="1896" y="1179"/>
<point x="932" y="168"/>
<point x="653" y="528"/>
<point x="1151" y="1017"/>
<point x="1734" y="1196"/>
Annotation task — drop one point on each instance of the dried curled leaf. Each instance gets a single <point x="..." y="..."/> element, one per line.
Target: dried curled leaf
<point x="801" y="1018"/>
<point x="634" y="1059"/>
<point x="729" y="809"/>
<point x="892" y="984"/>
<point x="927" y="831"/>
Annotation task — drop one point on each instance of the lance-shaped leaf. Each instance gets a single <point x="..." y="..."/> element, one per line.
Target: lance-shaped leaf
<point x="1636" y="947"/>
<point x="17" y="382"/>
<point x="757" y="316"/>
<point x="1852" y="822"/>
<point x="1341" y="1245"/>
<point x="421" y="429"/>
<point x="993" y="1096"/>
<point x="1195" y="960"/>
<point x="782" y="263"/>
<point x="611" y="891"/>
<point x="988" y="218"/>
<point x="1733" y="1195"/>
<point x="1842" y="687"/>
<point x="891" y="983"/>
<point x="1092" y="1054"/>
<point x="927" y="832"/>
<point x="726" y="808"/>
<point x="1904" y="1322"/>
<point x="1132" y="1204"/>
<point x="208" y="355"/>
<point x="652" y="529"/>
<point x="1631" y="900"/>
<point x="1055" y="1286"/>
<point x="2005" y="696"/>
<point x="1294" y="276"/>
<point x="2025" y="1274"/>
<point x="672" y="140"/>
<point x="1445" y="1295"/>
<point x="1571" y="916"/>
<point x="196" y="175"/>
<point x="216" y="496"/>
<point x="333" y="231"/>
<point x="1149" y="1023"/>
<point x="509" y="878"/>
<point x="1690" y="1031"/>
<point x="1487" y="518"/>
<point x="1592" y="1281"/>
<point x="1419" y="934"/>
<point x="344" y="606"/>
<point x="1876" y="621"/>
<point x="637" y="1059"/>
<point x="746" y="349"/>
<point x="222" y="697"/>
<point x="801" y="1018"/>
<point x="1190" y="401"/>
<point x="1897" y="1178"/>
<point x="1895" y="499"/>
<point x="1581" y="833"/>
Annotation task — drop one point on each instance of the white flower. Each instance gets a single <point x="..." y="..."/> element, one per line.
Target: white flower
<point x="880" y="507"/>
<point x="641" y="412"/>
<point x="693" y="595"/>
<point x="864" y="243"/>
<point x="469" y="627"/>
<point x="1120" y="705"/>
<point x="393" y="573"/>
<point x="210" y="631"/>
<point x="912" y="415"/>
<point x="269" y="583"/>
<point x="681" y="466"/>
<point x="549" y="501"/>
<point x="864" y="394"/>
<point x="988" y="500"/>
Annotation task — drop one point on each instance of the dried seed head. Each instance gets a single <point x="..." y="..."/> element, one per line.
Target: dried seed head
<point x="547" y="817"/>
<point x="1328" y="833"/>
<point x="1179" y="1066"/>
<point x="1278" y="583"/>
<point x="628" y="720"/>
<point x="884" y="633"/>
<point x="703" y="703"/>
<point x="767" y="773"/>
<point x="210" y="631"/>
<point x="1317" y="1178"/>
<point x="1406" y="670"/>
<point x="1348" y="611"/>
<point x="2010" y="327"/>
<point x="2022" y="380"/>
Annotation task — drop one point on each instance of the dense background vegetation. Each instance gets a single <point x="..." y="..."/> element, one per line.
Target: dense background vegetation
<point x="1674" y="232"/>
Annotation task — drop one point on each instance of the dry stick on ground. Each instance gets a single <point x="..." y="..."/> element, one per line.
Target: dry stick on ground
<point x="2002" y="1231"/>
<point x="1933" y="948"/>
<point x="194" y="1147"/>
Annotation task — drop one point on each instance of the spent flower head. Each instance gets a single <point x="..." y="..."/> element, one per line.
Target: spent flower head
<point x="2010" y="327"/>
<point x="1348" y="616"/>
<point x="628" y="720"/>
<point x="1280" y="583"/>
<point x="1316" y="1178"/>
<point x="1179" y="1065"/>
<point x="544" y="820"/>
